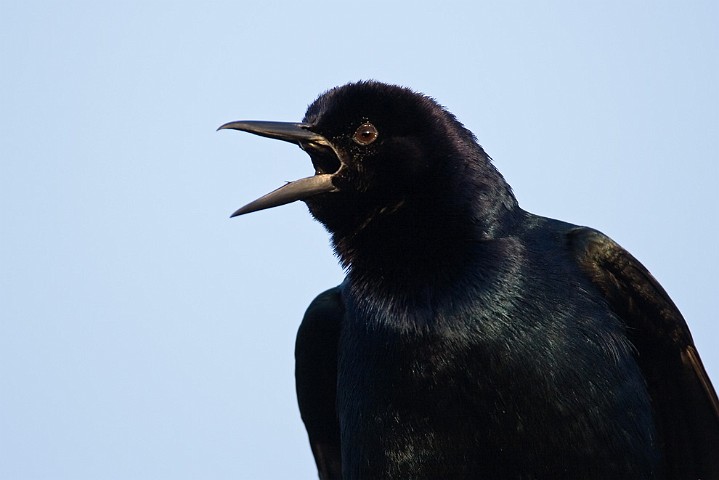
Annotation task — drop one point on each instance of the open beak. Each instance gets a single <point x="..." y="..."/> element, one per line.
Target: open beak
<point x="299" y="134"/>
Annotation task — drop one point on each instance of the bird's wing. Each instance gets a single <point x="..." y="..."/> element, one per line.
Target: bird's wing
<point x="685" y="403"/>
<point x="316" y="380"/>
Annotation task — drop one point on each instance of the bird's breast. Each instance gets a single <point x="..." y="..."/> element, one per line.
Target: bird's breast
<point x="501" y="378"/>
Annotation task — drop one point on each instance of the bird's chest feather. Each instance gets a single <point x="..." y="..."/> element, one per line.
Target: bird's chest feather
<point x="492" y="380"/>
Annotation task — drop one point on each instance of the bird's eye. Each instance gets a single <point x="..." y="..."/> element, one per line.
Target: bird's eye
<point x="365" y="134"/>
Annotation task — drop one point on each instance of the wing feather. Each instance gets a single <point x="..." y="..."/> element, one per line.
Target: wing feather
<point x="316" y="380"/>
<point x="684" y="401"/>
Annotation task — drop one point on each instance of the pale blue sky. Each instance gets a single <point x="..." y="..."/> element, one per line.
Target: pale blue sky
<point x="145" y="335"/>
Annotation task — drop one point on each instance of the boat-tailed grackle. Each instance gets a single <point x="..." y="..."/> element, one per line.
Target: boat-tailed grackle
<point x="471" y="339"/>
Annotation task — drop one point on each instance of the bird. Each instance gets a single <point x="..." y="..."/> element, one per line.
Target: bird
<point x="471" y="339"/>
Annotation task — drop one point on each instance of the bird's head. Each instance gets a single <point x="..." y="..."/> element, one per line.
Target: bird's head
<point x="382" y="154"/>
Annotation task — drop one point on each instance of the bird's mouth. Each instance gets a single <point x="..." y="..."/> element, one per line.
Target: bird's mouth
<point x="325" y="158"/>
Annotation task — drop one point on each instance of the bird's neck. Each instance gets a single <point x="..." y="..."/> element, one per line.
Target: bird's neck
<point x="417" y="243"/>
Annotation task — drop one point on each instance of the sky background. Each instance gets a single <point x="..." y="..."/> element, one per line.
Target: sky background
<point x="145" y="335"/>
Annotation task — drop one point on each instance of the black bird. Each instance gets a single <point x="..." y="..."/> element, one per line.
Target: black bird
<point x="470" y="338"/>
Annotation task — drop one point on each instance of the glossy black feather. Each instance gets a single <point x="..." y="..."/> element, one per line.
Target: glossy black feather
<point x="472" y="339"/>
<point x="316" y="375"/>
<point x="686" y="409"/>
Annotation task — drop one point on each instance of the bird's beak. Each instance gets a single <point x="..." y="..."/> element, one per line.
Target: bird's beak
<point x="299" y="134"/>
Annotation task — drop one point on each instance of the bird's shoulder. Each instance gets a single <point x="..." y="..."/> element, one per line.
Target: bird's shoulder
<point x="629" y="288"/>
<point x="324" y="312"/>
<point x="683" y="398"/>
